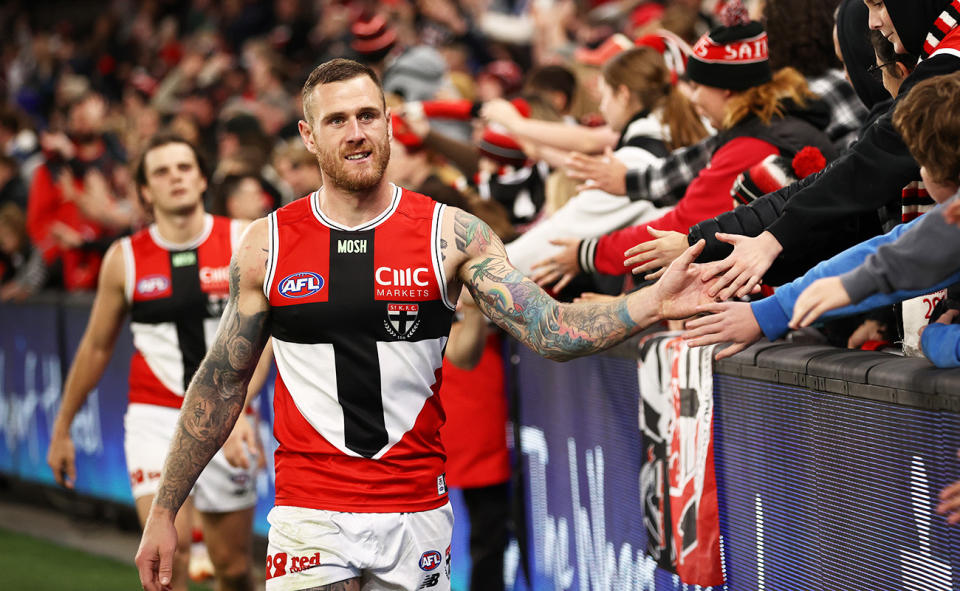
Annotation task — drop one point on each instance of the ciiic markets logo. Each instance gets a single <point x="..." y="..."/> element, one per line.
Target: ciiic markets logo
<point x="300" y="285"/>
<point x="430" y="560"/>
<point x="402" y="319"/>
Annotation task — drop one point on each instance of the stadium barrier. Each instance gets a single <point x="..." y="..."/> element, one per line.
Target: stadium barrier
<point x="828" y="462"/>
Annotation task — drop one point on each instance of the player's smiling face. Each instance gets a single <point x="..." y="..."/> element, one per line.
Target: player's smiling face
<point x="350" y="133"/>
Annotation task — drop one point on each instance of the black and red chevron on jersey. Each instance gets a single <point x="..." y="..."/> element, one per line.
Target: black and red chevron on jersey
<point x="176" y="294"/>
<point x="360" y="317"/>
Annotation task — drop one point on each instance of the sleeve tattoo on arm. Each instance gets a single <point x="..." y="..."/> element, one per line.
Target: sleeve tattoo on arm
<point x="520" y="306"/>
<point x="214" y="398"/>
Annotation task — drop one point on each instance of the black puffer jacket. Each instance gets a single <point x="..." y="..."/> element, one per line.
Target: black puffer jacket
<point x="753" y="219"/>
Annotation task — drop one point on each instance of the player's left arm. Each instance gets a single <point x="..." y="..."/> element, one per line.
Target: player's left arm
<point x="213" y="401"/>
<point x="518" y="305"/>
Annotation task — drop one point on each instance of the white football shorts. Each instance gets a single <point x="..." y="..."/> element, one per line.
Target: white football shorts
<point x="388" y="551"/>
<point x="148" y="430"/>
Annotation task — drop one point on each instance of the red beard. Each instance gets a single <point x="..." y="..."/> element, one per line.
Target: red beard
<point x="343" y="175"/>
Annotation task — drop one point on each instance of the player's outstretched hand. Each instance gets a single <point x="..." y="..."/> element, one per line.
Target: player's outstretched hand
<point x="728" y="322"/>
<point x="61" y="458"/>
<point x="658" y="253"/>
<point x="561" y="268"/>
<point x="950" y="501"/>
<point x="741" y="272"/>
<point x="680" y="291"/>
<point x="155" y="556"/>
<point x="820" y="297"/>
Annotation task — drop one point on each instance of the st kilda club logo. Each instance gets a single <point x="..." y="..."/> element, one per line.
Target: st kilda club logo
<point x="402" y="320"/>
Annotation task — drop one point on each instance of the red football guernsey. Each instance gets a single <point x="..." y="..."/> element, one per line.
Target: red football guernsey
<point x="359" y="319"/>
<point x="176" y="294"/>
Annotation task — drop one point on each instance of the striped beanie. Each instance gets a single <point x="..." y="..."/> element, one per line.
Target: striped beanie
<point x="501" y="148"/>
<point x="732" y="56"/>
<point x="775" y="172"/>
<point x="373" y="37"/>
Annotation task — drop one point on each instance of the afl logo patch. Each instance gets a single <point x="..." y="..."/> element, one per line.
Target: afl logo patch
<point x="152" y="285"/>
<point x="300" y="285"/>
<point x="430" y="560"/>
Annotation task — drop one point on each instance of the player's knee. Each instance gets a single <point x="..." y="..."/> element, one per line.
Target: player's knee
<point x="232" y="564"/>
<point x="235" y="581"/>
<point x="181" y="556"/>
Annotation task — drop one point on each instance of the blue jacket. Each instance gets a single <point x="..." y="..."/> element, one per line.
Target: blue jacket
<point x="773" y="313"/>
<point x="941" y="344"/>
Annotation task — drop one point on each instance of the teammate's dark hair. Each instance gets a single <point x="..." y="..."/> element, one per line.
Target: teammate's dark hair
<point x="336" y="70"/>
<point x="162" y="139"/>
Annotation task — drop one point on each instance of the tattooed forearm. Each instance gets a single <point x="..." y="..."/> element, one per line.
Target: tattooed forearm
<point x="555" y="330"/>
<point x="214" y="399"/>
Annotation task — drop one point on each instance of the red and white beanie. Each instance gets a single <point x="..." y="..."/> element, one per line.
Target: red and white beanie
<point x="496" y="145"/>
<point x="732" y="56"/>
<point x="373" y="37"/>
<point x="604" y="52"/>
<point x="774" y="173"/>
<point x="674" y="50"/>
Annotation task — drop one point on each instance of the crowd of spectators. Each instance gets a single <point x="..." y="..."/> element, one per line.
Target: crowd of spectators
<point x="578" y="130"/>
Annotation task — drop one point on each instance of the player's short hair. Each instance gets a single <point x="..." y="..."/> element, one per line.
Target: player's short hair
<point x="336" y="70"/>
<point x="928" y="120"/>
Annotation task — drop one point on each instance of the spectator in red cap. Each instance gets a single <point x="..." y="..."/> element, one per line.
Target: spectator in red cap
<point x="373" y="40"/>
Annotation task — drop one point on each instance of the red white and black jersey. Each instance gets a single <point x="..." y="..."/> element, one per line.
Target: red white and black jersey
<point x="176" y="294"/>
<point x="360" y="318"/>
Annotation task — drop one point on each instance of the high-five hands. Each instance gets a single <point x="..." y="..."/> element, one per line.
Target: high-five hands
<point x="658" y="253"/>
<point x="728" y="322"/>
<point x="740" y="273"/>
<point x="819" y="297"/>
